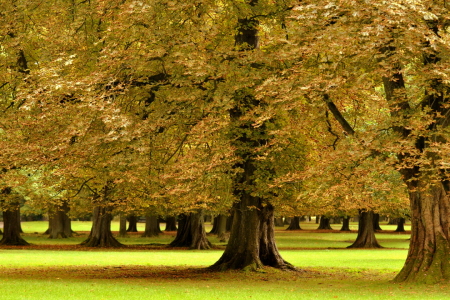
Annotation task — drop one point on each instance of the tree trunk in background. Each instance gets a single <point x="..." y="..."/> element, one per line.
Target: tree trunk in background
<point x="222" y="232"/>
<point x="101" y="235"/>
<point x="376" y="222"/>
<point x="279" y="222"/>
<point x="11" y="230"/>
<point x="191" y="232"/>
<point x="60" y="225"/>
<point x="295" y="224"/>
<point x="345" y="224"/>
<point x="151" y="226"/>
<point x="171" y="224"/>
<point x="400" y="225"/>
<point x="132" y="223"/>
<point x="317" y="219"/>
<point x="122" y="225"/>
<point x="324" y="224"/>
<point x="366" y="233"/>
<point x="287" y="221"/>
<point x="214" y="228"/>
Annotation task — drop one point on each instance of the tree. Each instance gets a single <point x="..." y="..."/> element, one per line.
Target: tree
<point x="366" y="232"/>
<point x="59" y="222"/>
<point x="11" y="219"/>
<point x="295" y="224"/>
<point x="191" y="232"/>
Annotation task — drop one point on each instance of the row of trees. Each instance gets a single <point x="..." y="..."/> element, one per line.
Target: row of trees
<point x="251" y="105"/>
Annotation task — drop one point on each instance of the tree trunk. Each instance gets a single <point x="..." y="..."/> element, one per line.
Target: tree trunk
<point x="279" y="222"/>
<point x="171" y="224"/>
<point x="59" y="222"/>
<point x="222" y="232"/>
<point x="376" y="222"/>
<point x="366" y="233"/>
<point x="214" y="229"/>
<point x="317" y="219"/>
<point x="151" y="226"/>
<point x="132" y="223"/>
<point x="122" y="225"/>
<point x="400" y="225"/>
<point x="324" y="223"/>
<point x="101" y="235"/>
<point x="345" y="224"/>
<point x="295" y="224"/>
<point x="191" y="232"/>
<point x="428" y="259"/>
<point x="393" y="221"/>
<point x="11" y="230"/>
<point x="287" y="221"/>
<point x="252" y="241"/>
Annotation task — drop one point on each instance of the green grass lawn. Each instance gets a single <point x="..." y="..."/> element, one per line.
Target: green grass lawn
<point x="327" y="270"/>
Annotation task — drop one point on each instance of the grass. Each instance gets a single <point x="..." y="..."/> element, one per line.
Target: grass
<point x="328" y="270"/>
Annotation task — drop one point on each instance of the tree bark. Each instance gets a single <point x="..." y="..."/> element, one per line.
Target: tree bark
<point x="214" y="229"/>
<point x="295" y="224"/>
<point x="279" y="222"/>
<point x="101" y="235"/>
<point x="171" y="224"/>
<point x="191" y="232"/>
<point x="122" y="225"/>
<point x="59" y="222"/>
<point x="132" y="223"/>
<point x="400" y="225"/>
<point x="11" y="230"/>
<point x="151" y="226"/>
<point x="324" y="223"/>
<point x="428" y="259"/>
<point x="345" y="224"/>
<point x="366" y="233"/>
<point x="376" y="222"/>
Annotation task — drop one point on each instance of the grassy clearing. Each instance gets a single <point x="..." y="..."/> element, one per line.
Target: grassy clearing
<point x="328" y="270"/>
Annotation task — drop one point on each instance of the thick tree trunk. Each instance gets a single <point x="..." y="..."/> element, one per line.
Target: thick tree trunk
<point x="345" y="224"/>
<point x="191" y="232"/>
<point x="11" y="230"/>
<point x="59" y="222"/>
<point x="400" y="225"/>
<point x="101" y="235"/>
<point x="295" y="224"/>
<point x="324" y="223"/>
<point x="171" y="224"/>
<point x="428" y="259"/>
<point x="151" y="226"/>
<point x="317" y="219"/>
<point x="132" y="223"/>
<point x="366" y="233"/>
<point x="252" y="240"/>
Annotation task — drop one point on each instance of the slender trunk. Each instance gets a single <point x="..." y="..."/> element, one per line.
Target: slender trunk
<point x="122" y="225"/>
<point x="366" y="233"/>
<point x="101" y="235"/>
<point x="295" y="224"/>
<point x="59" y="222"/>
<point x="222" y="232"/>
<point x="317" y="219"/>
<point x="324" y="224"/>
<point x="400" y="225"/>
<point x="171" y="224"/>
<point x="345" y="224"/>
<point x="151" y="226"/>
